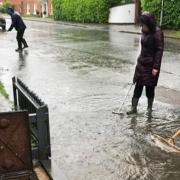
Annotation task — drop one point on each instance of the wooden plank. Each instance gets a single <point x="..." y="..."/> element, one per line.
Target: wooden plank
<point x="168" y="143"/>
<point x="41" y="173"/>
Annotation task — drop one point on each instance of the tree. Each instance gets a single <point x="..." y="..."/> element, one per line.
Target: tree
<point x="171" y="15"/>
<point x="4" y="6"/>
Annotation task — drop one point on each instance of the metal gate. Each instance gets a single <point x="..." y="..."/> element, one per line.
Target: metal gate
<point x="26" y="99"/>
<point x="15" y="148"/>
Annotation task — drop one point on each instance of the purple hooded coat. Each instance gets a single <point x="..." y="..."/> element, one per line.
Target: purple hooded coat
<point x="152" y="46"/>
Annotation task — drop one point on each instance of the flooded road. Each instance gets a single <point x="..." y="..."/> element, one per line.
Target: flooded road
<point x="83" y="75"/>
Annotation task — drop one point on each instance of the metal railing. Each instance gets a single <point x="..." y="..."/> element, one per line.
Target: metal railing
<point x="25" y="99"/>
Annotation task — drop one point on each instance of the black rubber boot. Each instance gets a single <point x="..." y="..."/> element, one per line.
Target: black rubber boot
<point x="150" y="104"/>
<point x="24" y="43"/>
<point x="134" y="106"/>
<point x="18" y="50"/>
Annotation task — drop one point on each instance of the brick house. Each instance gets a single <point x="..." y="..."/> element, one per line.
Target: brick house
<point x="33" y="7"/>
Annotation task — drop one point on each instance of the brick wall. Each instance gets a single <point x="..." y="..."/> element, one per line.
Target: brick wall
<point x="31" y="7"/>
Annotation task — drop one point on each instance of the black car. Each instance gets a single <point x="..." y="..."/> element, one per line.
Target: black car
<point x="2" y="23"/>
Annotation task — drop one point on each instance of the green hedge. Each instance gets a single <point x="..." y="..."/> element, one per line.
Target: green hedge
<point x="3" y="91"/>
<point x="81" y="10"/>
<point x="171" y="17"/>
<point x="95" y="11"/>
<point x="119" y="2"/>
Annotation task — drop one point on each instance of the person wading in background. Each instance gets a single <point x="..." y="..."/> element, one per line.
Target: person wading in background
<point x="149" y="62"/>
<point x="20" y="27"/>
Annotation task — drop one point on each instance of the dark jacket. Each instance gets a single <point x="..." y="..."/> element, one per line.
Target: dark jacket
<point x="17" y="22"/>
<point x="152" y="46"/>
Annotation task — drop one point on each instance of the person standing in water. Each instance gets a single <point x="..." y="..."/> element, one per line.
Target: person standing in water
<point x="149" y="62"/>
<point x="20" y="27"/>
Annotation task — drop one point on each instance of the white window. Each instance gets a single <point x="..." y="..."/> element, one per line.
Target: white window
<point x="28" y="9"/>
<point x="35" y="8"/>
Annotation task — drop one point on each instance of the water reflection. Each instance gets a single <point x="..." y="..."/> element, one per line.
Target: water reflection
<point x="22" y="59"/>
<point x="146" y="122"/>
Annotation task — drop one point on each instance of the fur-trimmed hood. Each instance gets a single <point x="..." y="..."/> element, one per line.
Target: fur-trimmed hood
<point x="149" y="19"/>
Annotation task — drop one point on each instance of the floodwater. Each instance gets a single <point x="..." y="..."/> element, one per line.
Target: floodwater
<point x="83" y="75"/>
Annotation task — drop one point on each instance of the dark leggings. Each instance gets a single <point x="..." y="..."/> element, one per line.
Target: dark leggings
<point x="150" y="91"/>
<point x="20" y="39"/>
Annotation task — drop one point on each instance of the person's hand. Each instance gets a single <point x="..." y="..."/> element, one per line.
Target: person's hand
<point x="155" y="72"/>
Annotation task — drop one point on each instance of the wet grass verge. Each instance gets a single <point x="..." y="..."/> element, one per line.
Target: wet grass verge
<point x="172" y="34"/>
<point x="3" y="91"/>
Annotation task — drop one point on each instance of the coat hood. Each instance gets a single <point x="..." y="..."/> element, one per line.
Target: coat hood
<point x="10" y="11"/>
<point x="149" y="19"/>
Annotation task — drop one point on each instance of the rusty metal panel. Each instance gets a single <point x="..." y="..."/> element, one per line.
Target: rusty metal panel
<point x="15" y="149"/>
